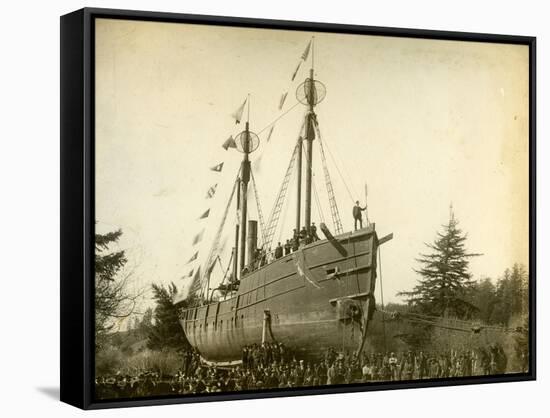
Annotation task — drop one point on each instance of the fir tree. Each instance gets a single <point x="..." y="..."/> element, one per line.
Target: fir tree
<point x="166" y="331"/>
<point x="445" y="281"/>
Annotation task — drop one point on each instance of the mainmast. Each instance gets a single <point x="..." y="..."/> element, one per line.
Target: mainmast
<point x="299" y="183"/>
<point x="245" y="177"/>
<point x="309" y="93"/>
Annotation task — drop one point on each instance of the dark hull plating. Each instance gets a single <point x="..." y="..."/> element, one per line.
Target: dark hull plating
<point x="316" y="298"/>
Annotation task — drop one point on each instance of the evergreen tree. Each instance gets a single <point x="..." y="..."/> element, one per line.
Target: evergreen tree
<point x="113" y="300"/>
<point x="166" y="331"/>
<point x="445" y="281"/>
<point x="512" y="295"/>
<point x="483" y="297"/>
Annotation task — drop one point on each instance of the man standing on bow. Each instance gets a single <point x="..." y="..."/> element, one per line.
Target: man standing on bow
<point x="357" y="214"/>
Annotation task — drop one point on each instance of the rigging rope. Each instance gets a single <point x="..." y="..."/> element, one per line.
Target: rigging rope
<point x="258" y="207"/>
<point x="330" y="189"/>
<point x="315" y="194"/>
<point x="276" y="210"/>
<point x="382" y="296"/>
<point x="215" y="243"/>
<point x="318" y="201"/>
<point x="278" y="118"/>
<point x="340" y="173"/>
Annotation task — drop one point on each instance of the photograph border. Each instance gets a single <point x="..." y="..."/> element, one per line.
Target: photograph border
<point x="77" y="203"/>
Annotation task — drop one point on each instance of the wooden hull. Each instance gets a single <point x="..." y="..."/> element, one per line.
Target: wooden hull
<point x="315" y="298"/>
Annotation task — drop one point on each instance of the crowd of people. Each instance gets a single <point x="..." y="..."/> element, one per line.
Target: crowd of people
<point x="273" y="365"/>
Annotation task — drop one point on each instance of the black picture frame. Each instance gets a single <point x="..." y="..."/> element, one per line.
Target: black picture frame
<point x="77" y="202"/>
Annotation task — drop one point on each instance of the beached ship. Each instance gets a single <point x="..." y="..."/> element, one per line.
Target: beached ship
<point x="317" y="295"/>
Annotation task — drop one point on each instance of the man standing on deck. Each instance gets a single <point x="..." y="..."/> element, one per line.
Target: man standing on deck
<point x="288" y="247"/>
<point x="357" y="214"/>
<point x="278" y="251"/>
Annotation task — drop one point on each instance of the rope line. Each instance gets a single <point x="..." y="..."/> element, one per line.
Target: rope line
<point x="278" y="118"/>
<point x="339" y="172"/>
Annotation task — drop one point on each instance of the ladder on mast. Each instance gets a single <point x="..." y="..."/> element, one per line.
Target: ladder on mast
<point x="277" y="207"/>
<point x="332" y="199"/>
<point x="259" y="207"/>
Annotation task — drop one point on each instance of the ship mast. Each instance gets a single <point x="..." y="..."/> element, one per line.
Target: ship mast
<point x="246" y="142"/>
<point x="309" y="93"/>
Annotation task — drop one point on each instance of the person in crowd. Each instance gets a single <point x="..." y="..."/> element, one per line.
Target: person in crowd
<point x="288" y="247"/>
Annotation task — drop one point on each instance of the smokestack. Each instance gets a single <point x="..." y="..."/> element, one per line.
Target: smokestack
<point x="252" y="239"/>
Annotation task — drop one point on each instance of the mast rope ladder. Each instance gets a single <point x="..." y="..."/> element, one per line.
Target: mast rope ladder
<point x="336" y="221"/>
<point x="258" y="207"/>
<point x="315" y="193"/>
<point x="276" y="210"/>
<point x="215" y="243"/>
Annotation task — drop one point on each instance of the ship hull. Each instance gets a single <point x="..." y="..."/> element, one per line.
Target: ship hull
<point x="318" y="297"/>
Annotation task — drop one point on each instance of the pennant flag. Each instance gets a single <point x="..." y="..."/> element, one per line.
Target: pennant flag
<point x="229" y="143"/>
<point x="205" y="214"/>
<point x="211" y="191"/>
<point x="190" y="273"/>
<point x="270" y="132"/>
<point x="306" y="52"/>
<point x="296" y="70"/>
<point x="217" y="168"/>
<point x="239" y="113"/>
<point x="193" y="258"/>
<point x="282" y="101"/>
<point x="198" y="237"/>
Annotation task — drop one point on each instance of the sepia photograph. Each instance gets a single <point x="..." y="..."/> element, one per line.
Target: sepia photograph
<point x="280" y="209"/>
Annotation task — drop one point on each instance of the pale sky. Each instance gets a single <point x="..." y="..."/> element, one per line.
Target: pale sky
<point x="423" y="122"/>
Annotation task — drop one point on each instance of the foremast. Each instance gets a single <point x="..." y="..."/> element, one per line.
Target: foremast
<point x="309" y="93"/>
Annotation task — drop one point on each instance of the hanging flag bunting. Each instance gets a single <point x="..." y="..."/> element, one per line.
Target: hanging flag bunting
<point x="193" y="258"/>
<point x="229" y="143"/>
<point x="296" y="70"/>
<point x="211" y="191"/>
<point x="306" y="52"/>
<point x="282" y="101"/>
<point x="205" y="214"/>
<point x="270" y="132"/>
<point x="239" y="113"/>
<point x="217" y="168"/>
<point x="198" y="237"/>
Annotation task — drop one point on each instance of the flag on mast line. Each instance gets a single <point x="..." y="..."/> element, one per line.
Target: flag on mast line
<point x="229" y="143"/>
<point x="217" y="167"/>
<point x="198" y="237"/>
<point x="193" y="258"/>
<point x="205" y="214"/>
<point x="306" y="52"/>
<point x="211" y="191"/>
<point x="296" y="70"/>
<point x="238" y="114"/>
<point x="270" y="132"/>
<point x="282" y="100"/>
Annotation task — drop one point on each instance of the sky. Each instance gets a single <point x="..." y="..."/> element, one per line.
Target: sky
<point x="425" y="123"/>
